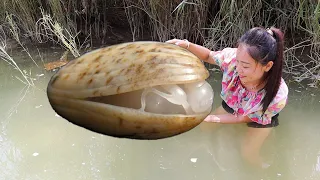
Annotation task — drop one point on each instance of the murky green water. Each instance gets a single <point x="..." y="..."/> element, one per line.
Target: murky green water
<point x="35" y="143"/>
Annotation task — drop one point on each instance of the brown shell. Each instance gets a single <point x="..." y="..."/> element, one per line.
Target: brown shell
<point x="123" y="122"/>
<point x="125" y="68"/>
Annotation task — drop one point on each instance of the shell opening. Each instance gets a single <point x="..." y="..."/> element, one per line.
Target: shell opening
<point x="176" y="96"/>
<point x="186" y="99"/>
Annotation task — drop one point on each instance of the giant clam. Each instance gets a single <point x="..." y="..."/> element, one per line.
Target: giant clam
<point x="136" y="90"/>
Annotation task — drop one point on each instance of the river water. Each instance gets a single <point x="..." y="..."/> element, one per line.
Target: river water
<point x="37" y="144"/>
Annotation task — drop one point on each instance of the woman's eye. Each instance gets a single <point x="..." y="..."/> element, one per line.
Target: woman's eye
<point x="246" y="67"/>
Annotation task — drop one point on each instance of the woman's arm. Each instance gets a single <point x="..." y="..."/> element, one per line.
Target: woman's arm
<point x="201" y="52"/>
<point x="227" y="119"/>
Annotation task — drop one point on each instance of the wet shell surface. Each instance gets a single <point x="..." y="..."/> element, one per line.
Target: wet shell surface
<point x="107" y="90"/>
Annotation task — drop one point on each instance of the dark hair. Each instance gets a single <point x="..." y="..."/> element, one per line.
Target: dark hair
<point x="266" y="45"/>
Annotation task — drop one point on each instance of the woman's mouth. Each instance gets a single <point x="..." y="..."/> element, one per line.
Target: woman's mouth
<point x="241" y="76"/>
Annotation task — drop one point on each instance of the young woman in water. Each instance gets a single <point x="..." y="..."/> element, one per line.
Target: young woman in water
<point x="253" y="90"/>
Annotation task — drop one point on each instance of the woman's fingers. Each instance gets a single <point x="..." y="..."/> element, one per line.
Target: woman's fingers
<point x="212" y="118"/>
<point x="172" y="41"/>
<point x="178" y="42"/>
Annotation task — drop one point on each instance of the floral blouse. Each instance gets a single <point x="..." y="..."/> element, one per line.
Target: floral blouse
<point x="242" y="101"/>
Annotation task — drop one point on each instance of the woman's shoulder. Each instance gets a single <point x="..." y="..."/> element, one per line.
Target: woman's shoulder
<point x="283" y="90"/>
<point x="223" y="57"/>
<point x="229" y="54"/>
<point x="281" y="98"/>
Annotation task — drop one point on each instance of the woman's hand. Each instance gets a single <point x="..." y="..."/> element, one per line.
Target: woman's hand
<point x="212" y="118"/>
<point x="182" y="43"/>
<point x="227" y="119"/>
<point x="200" y="51"/>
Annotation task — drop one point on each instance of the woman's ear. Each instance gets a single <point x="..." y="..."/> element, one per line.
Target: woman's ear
<point x="268" y="66"/>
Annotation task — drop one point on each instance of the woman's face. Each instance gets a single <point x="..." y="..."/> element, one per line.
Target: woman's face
<point x="249" y="70"/>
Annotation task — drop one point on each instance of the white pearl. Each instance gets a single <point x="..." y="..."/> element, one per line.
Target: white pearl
<point x="200" y="96"/>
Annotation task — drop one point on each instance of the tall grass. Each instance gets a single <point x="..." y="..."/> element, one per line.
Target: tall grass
<point x="50" y="29"/>
<point x="15" y="34"/>
<point x="308" y="20"/>
<point x="203" y="21"/>
<point x="231" y="20"/>
<point x="7" y="58"/>
<point x="168" y="19"/>
<point x="25" y="14"/>
<point x="215" y="24"/>
<point x="89" y="18"/>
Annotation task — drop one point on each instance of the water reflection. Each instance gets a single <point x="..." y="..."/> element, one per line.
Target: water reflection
<point x="10" y="157"/>
<point x="36" y="143"/>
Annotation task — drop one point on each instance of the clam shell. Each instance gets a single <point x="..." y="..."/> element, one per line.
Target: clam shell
<point x="119" y="69"/>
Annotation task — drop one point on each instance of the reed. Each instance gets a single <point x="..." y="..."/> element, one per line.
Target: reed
<point x="214" y="24"/>
<point x="58" y="13"/>
<point x="168" y="19"/>
<point x="51" y="29"/>
<point x="309" y="21"/>
<point x="204" y="21"/>
<point x="7" y="58"/>
<point x="14" y="29"/>
<point x="25" y="13"/>
<point x="232" y="20"/>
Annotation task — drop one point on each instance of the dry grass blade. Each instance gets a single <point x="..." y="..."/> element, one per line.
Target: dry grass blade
<point x="7" y="58"/>
<point x="14" y="29"/>
<point x="53" y="29"/>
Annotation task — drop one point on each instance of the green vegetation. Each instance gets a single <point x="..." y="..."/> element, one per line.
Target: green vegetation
<point x="215" y="24"/>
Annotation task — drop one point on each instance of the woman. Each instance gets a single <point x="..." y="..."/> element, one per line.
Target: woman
<point x="253" y="90"/>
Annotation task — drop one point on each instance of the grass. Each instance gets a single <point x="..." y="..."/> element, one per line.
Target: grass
<point x="50" y="29"/>
<point x="168" y="19"/>
<point x="15" y="34"/>
<point x="7" y="58"/>
<point x="214" y="24"/>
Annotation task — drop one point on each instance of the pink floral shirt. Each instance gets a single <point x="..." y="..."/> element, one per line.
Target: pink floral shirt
<point x="242" y="101"/>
